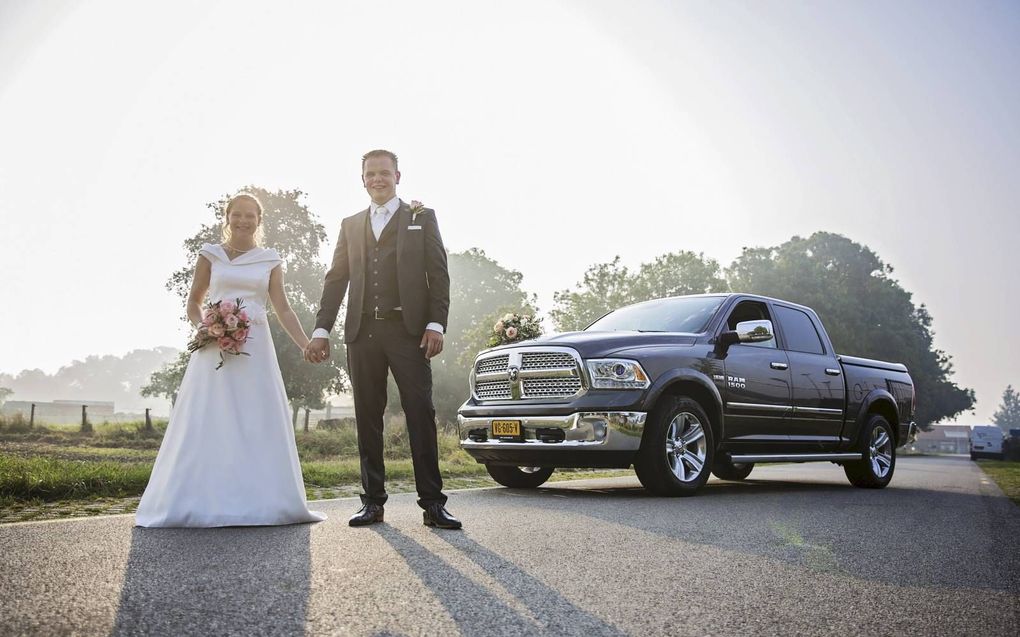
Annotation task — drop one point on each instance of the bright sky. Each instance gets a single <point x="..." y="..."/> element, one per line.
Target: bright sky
<point x="552" y="134"/>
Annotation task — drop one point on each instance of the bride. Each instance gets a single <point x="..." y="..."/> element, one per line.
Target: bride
<point x="228" y="457"/>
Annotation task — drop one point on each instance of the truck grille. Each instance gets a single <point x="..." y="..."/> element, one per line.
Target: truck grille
<point x="528" y="373"/>
<point x="552" y="387"/>
<point x="496" y="390"/>
<point x="492" y="365"/>
<point x="546" y="360"/>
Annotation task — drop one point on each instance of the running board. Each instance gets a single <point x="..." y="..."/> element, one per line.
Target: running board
<point x="747" y="458"/>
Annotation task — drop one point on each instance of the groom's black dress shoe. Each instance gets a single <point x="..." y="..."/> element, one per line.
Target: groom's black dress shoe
<point x="437" y="515"/>
<point x="369" y="514"/>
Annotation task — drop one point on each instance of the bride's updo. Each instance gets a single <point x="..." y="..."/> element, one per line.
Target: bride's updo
<point x="259" y="233"/>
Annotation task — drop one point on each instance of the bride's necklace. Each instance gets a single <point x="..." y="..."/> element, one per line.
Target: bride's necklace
<point x="227" y="245"/>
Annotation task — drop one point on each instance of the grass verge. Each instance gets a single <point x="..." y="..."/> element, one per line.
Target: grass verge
<point x="58" y="479"/>
<point x="1006" y="474"/>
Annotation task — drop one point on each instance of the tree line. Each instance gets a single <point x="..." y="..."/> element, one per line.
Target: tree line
<point x="866" y="311"/>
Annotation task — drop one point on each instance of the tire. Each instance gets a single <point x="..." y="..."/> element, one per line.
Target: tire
<point x="876" y="469"/>
<point x="677" y="449"/>
<point x="725" y="469"/>
<point x="519" y="477"/>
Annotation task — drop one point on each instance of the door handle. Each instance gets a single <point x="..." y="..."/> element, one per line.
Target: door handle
<point x="832" y="372"/>
<point x="775" y="365"/>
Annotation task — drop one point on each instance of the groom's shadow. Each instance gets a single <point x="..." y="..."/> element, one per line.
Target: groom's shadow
<point x="478" y="611"/>
<point x="238" y="580"/>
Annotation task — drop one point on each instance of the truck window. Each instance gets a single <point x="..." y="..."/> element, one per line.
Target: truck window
<point x="798" y="331"/>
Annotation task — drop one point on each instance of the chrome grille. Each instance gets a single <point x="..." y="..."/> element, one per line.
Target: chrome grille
<point x="492" y="365"/>
<point x="547" y="360"/>
<point x="550" y="387"/>
<point x="528" y="373"/>
<point x="494" y="390"/>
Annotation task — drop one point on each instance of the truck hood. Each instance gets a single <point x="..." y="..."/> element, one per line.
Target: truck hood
<point x="599" y="344"/>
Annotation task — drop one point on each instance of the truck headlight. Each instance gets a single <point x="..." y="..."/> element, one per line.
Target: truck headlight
<point x="617" y="373"/>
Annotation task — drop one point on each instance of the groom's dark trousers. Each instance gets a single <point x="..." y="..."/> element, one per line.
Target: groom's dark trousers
<point x="405" y="268"/>
<point x="381" y="345"/>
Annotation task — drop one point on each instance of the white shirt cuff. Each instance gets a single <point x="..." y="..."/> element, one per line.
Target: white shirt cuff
<point x="320" y="333"/>
<point x="435" y="327"/>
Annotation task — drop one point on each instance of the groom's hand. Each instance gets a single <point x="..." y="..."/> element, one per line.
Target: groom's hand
<point x="432" y="343"/>
<point x="317" y="350"/>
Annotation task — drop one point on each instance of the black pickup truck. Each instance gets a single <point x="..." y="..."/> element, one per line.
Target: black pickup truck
<point x="683" y="386"/>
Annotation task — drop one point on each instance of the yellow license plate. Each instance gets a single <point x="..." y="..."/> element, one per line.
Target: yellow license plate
<point x="506" y="428"/>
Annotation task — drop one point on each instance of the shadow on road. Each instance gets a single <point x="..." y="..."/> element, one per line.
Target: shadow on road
<point x="240" y="580"/>
<point x="478" y="611"/>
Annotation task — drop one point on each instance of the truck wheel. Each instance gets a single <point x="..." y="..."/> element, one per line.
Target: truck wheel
<point x="725" y="469"/>
<point x="519" y="477"/>
<point x="876" y="469"/>
<point x="677" y="448"/>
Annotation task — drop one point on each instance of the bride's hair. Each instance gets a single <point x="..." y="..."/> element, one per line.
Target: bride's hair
<point x="259" y="233"/>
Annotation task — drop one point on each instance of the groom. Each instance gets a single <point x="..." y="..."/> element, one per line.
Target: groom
<point x="394" y="261"/>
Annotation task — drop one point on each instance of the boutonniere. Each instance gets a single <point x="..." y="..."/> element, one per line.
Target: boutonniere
<point x="417" y="208"/>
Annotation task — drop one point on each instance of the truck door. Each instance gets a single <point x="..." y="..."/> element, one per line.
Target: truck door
<point x="819" y="392"/>
<point x="756" y="385"/>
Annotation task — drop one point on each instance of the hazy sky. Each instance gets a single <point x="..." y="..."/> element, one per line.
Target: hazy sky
<point x="551" y="134"/>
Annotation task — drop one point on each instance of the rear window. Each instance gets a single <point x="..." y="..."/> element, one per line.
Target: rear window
<point x="799" y="331"/>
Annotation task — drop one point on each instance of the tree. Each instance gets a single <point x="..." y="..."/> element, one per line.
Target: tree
<point x="166" y="380"/>
<point x="865" y="311"/>
<point x="107" y="377"/>
<point x="1008" y="415"/>
<point x="5" y="393"/>
<point x="608" y="286"/>
<point x="295" y="233"/>
<point x="481" y="290"/>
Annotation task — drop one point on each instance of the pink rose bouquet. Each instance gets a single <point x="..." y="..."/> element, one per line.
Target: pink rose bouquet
<point x="226" y="324"/>
<point x="513" y="327"/>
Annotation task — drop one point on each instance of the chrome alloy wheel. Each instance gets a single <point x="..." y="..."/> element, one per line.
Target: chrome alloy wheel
<point x="880" y="452"/>
<point x="686" y="447"/>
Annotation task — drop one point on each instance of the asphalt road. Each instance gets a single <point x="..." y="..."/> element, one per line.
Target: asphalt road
<point x="794" y="550"/>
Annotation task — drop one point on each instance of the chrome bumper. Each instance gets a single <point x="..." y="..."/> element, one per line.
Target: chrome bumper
<point x="602" y="431"/>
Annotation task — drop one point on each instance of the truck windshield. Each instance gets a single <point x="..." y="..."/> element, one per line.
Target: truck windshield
<point x="681" y="314"/>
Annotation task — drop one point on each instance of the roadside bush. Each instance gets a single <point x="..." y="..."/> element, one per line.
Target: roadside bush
<point x="321" y="444"/>
<point x="337" y="424"/>
<point x="15" y="424"/>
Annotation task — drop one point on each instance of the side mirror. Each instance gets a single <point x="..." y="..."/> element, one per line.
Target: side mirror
<point x="754" y="331"/>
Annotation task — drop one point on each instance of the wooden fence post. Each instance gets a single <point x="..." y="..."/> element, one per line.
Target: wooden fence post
<point x="307" y="411"/>
<point x="31" y="417"/>
<point x="148" y="420"/>
<point x="86" y="426"/>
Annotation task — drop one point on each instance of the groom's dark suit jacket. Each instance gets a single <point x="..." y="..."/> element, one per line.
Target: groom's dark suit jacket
<point x="422" y="276"/>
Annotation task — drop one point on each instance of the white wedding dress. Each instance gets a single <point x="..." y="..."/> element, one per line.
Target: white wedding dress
<point x="228" y="457"/>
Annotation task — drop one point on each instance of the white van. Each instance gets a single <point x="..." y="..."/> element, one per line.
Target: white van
<point x="986" y="442"/>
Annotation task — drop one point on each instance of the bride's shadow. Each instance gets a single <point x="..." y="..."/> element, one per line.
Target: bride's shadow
<point x="238" y="580"/>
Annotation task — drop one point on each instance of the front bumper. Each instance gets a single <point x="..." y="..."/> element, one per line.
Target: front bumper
<point x="596" y="431"/>
<point x="908" y="433"/>
<point x="606" y="439"/>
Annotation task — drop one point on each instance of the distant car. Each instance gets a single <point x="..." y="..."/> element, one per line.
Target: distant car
<point x="986" y="442"/>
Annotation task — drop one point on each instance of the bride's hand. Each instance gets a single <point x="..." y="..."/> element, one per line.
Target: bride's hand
<point x="317" y="350"/>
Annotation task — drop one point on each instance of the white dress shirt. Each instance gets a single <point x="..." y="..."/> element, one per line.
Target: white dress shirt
<point x="379" y="216"/>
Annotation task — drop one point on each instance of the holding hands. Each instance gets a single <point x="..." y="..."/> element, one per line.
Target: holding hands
<point x="317" y="350"/>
